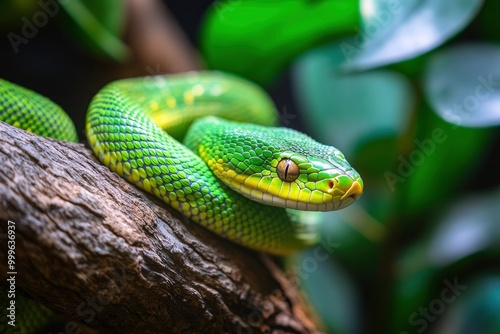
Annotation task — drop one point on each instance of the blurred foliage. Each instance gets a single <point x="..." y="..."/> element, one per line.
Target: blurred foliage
<point x="97" y="25"/>
<point x="258" y="38"/>
<point x="412" y="98"/>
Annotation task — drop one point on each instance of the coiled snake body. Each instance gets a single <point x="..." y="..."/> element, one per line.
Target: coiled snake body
<point x="239" y="180"/>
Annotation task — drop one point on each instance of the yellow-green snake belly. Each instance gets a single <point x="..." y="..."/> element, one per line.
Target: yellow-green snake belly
<point x="235" y="174"/>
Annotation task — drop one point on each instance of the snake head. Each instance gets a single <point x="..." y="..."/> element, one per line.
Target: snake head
<point x="277" y="166"/>
<point x="314" y="182"/>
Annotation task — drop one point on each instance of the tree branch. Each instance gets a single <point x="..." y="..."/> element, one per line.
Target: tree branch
<point x="94" y="248"/>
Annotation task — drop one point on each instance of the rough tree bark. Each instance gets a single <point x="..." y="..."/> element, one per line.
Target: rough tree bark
<point x="94" y="248"/>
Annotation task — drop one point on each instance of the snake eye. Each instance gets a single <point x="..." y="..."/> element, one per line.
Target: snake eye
<point x="287" y="170"/>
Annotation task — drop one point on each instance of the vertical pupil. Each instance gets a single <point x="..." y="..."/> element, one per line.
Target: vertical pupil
<point x="286" y="169"/>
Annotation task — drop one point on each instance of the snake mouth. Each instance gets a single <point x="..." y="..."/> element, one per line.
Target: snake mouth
<point x="354" y="191"/>
<point x="351" y="195"/>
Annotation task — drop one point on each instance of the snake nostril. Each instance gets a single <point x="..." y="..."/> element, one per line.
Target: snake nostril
<point x="331" y="184"/>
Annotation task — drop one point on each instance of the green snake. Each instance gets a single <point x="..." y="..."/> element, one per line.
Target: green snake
<point x="235" y="173"/>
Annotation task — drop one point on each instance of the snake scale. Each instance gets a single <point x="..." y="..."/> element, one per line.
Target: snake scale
<point x="235" y="173"/>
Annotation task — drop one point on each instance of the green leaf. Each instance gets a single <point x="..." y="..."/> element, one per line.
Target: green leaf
<point x="398" y="30"/>
<point x="97" y="25"/>
<point x="373" y="159"/>
<point x="346" y="109"/>
<point x="487" y="21"/>
<point x="258" y="38"/>
<point x="469" y="227"/>
<point x="443" y="159"/>
<point x="476" y="310"/>
<point x="12" y="11"/>
<point x="411" y="292"/>
<point x="462" y="83"/>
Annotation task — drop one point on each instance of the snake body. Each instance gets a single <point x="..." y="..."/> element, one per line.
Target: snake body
<point x="227" y="174"/>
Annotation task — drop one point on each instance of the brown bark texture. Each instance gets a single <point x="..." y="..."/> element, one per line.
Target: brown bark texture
<point x="95" y="249"/>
